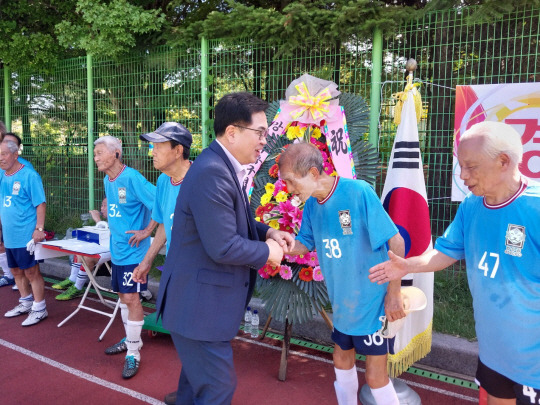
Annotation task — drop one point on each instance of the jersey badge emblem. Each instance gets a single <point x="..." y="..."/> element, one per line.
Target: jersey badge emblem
<point x="345" y="222"/>
<point x="122" y="195"/>
<point x="515" y="239"/>
<point x="16" y="188"/>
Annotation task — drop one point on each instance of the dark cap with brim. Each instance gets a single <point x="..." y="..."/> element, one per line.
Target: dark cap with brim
<point x="169" y="131"/>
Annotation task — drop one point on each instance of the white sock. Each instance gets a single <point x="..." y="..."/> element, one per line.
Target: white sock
<point x="385" y="395"/>
<point x="38" y="306"/>
<point x="27" y="301"/>
<point x="4" y="265"/>
<point x="346" y="386"/>
<point x="124" y="313"/>
<point x="75" y="267"/>
<point x="133" y="338"/>
<point x="82" y="278"/>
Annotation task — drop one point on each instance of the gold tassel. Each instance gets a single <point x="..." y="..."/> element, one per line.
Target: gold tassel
<point x="418" y="348"/>
<point x="402" y="97"/>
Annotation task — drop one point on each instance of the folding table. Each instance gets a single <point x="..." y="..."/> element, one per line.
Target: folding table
<point x="57" y="248"/>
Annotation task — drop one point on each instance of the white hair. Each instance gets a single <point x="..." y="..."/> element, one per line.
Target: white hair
<point x="12" y="146"/>
<point x="498" y="138"/>
<point x="112" y="143"/>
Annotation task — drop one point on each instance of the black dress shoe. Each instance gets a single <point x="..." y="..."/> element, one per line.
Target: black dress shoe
<point x="170" y="398"/>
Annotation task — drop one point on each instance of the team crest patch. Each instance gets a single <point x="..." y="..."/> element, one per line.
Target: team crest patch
<point x="345" y="222"/>
<point x="515" y="239"/>
<point x="122" y="195"/>
<point x="16" y="188"/>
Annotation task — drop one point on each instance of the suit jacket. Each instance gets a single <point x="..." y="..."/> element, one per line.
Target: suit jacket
<point x="215" y="251"/>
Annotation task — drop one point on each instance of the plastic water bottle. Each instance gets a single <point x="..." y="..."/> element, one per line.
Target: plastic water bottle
<point x="255" y="324"/>
<point x="247" y="321"/>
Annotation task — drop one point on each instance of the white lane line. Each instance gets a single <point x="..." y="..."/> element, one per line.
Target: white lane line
<point x="81" y="374"/>
<point x="323" y="360"/>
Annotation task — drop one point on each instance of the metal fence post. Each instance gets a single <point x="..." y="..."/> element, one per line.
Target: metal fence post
<point x="7" y="99"/>
<point x="375" y="99"/>
<point x="204" y="92"/>
<point x="90" y="119"/>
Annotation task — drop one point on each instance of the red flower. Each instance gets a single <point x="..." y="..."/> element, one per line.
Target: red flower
<point x="277" y="158"/>
<point x="273" y="172"/>
<point x="306" y="274"/>
<point x="264" y="209"/>
<point x="273" y="270"/>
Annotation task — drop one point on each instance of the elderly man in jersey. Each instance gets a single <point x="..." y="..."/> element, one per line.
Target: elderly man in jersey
<point x="346" y="250"/>
<point x="497" y="231"/>
<point x="172" y="142"/>
<point x="23" y="216"/>
<point x="130" y="198"/>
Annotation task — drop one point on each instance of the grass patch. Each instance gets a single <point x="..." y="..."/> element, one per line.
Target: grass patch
<point x="452" y="303"/>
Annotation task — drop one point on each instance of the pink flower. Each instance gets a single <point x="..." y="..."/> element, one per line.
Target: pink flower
<point x="317" y="274"/>
<point x="328" y="168"/>
<point x="285" y="272"/>
<point x="319" y="145"/>
<point x="313" y="260"/>
<point x="302" y="259"/>
<point x="262" y="272"/>
<point x="279" y="185"/>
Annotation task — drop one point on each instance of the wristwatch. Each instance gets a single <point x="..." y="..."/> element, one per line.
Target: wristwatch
<point x="39" y="229"/>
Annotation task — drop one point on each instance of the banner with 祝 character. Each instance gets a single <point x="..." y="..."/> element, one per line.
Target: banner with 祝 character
<point x="516" y="104"/>
<point x="311" y="112"/>
<point x="404" y="198"/>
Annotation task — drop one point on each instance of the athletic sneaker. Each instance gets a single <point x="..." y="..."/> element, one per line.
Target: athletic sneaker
<point x="71" y="293"/>
<point x="15" y="288"/>
<point x="35" y="317"/>
<point x="63" y="285"/>
<point x="20" y="309"/>
<point x="119" y="347"/>
<point x="131" y="366"/>
<point x="4" y="281"/>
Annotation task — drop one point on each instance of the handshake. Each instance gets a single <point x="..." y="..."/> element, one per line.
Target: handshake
<point x="279" y="243"/>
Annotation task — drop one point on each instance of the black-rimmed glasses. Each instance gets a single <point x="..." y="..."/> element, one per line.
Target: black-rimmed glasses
<point x="263" y="133"/>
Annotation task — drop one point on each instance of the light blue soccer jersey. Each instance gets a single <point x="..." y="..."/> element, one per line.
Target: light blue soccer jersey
<point x="163" y="211"/>
<point x="130" y="198"/>
<point x="21" y="193"/>
<point x="350" y="229"/>
<point x="501" y="247"/>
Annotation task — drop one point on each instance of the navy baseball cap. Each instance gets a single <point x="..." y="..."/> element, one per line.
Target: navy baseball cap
<point x="169" y="131"/>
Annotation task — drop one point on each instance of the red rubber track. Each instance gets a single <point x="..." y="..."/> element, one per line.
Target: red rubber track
<point x="44" y="364"/>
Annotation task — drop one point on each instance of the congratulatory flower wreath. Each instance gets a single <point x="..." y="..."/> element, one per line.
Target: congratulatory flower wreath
<point x="313" y="111"/>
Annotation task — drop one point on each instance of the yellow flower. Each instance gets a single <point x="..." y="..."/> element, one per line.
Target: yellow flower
<point x="281" y="196"/>
<point x="274" y="224"/>
<point x="316" y="133"/>
<point x="293" y="133"/>
<point x="258" y="219"/>
<point x="269" y="188"/>
<point x="265" y="199"/>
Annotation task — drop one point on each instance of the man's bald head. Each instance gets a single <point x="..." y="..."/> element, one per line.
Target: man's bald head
<point x="300" y="157"/>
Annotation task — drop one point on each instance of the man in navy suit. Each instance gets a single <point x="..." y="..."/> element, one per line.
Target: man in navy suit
<point x="216" y="249"/>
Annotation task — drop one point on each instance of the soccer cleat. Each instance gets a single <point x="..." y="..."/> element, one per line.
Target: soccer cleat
<point x="117" y="348"/>
<point x="4" y="281"/>
<point x="170" y="398"/>
<point x="131" y="366"/>
<point x="71" y="293"/>
<point x="35" y="317"/>
<point x="20" y="309"/>
<point x="63" y="285"/>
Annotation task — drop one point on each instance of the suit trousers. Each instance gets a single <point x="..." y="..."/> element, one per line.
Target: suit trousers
<point x="207" y="376"/>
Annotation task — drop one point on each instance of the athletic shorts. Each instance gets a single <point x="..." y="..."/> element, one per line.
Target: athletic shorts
<point x="368" y="345"/>
<point x="122" y="282"/>
<point x="21" y="258"/>
<point x="500" y="386"/>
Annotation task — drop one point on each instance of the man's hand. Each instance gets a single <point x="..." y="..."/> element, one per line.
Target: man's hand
<point x="393" y="269"/>
<point x="138" y="237"/>
<point x="276" y="253"/>
<point x="284" y="239"/>
<point x="140" y="272"/>
<point x="393" y="305"/>
<point x="96" y="215"/>
<point x="38" y="236"/>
